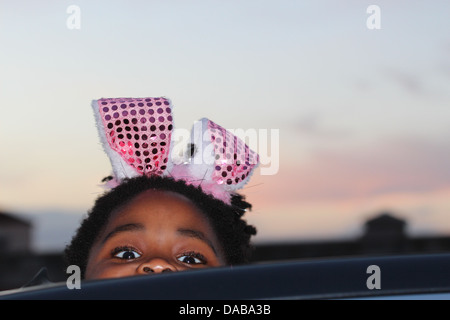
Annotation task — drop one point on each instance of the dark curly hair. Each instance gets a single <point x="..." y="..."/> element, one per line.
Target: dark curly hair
<point x="226" y="220"/>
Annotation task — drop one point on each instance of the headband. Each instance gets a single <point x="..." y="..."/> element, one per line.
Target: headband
<point x="136" y="134"/>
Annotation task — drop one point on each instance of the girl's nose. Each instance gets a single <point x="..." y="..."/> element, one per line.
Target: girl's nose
<point x="156" y="265"/>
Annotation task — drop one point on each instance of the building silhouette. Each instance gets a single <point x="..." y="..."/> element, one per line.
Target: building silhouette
<point x="18" y="263"/>
<point x="383" y="235"/>
<point x="15" y="234"/>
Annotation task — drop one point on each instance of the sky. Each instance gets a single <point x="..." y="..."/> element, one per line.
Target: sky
<point x="351" y="106"/>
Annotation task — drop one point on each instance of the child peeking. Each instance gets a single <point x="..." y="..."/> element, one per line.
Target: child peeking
<point x="164" y="214"/>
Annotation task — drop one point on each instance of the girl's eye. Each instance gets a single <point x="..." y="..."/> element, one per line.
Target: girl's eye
<point x="127" y="254"/>
<point x="192" y="258"/>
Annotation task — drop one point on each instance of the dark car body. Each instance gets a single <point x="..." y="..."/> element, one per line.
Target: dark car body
<point x="376" y="277"/>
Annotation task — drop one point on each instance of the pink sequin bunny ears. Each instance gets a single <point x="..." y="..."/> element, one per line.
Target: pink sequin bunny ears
<point x="136" y="134"/>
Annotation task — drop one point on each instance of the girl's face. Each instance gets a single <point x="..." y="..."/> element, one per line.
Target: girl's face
<point x="158" y="231"/>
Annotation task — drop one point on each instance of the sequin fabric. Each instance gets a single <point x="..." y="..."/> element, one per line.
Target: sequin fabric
<point x="139" y="130"/>
<point x="234" y="160"/>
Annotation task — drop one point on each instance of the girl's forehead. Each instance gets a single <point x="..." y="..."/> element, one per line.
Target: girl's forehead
<point x="155" y="195"/>
<point x="158" y="204"/>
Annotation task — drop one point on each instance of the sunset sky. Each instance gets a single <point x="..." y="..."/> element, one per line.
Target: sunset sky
<point x="363" y="115"/>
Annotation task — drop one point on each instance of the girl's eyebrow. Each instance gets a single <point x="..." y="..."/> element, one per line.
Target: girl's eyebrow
<point x="124" y="228"/>
<point x="198" y="235"/>
<point x="139" y="227"/>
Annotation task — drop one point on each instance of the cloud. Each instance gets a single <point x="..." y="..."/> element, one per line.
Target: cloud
<point x="397" y="165"/>
<point x="312" y="125"/>
<point x="406" y="80"/>
<point x="428" y="83"/>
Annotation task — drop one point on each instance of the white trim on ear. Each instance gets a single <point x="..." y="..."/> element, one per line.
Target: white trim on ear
<point x="201" y="164"/>
<point x="120" y="168"/>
